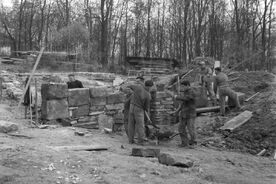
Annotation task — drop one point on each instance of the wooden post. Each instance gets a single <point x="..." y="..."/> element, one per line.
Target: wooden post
<point x="31" y="113"/>
<point x="31" y="75"/>
<point x="36" y="108"/>
<point x="1" y="91"/>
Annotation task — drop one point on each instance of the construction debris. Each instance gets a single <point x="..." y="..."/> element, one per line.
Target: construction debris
<point x="237" y="121"/>
<point x="6" y="126"/>
<point x="246" y="100"/>
<point x="261" y="153"/>
<point x="172" y="160"/>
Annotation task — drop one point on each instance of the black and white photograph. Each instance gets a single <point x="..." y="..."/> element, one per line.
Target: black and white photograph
<point x="137" y="92"/>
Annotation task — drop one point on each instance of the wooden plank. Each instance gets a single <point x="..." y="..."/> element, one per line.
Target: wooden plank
<point x="80" y="148"/>
<point x="208" y="109"/>
<point x="31" y="75"/>
<point x="237" y="121"/>
<point x="251" y="97"/>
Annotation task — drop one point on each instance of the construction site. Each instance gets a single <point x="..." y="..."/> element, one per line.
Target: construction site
<point x="137" y="92"/>
<point x="78" y="136"/>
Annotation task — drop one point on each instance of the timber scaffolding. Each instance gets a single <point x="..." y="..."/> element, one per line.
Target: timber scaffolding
<point x="149" y="65"/>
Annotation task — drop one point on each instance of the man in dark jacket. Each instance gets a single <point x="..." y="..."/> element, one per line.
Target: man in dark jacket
<point x="188" y="114"/>
<point x="139" y="104"/>
<point x="73" y="83"/>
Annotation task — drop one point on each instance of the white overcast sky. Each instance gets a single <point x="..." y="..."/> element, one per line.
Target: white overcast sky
<point x="7" y="3"/>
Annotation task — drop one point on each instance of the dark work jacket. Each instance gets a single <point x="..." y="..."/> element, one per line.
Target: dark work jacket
<point x="140" y="98"/>
<point x="188" y="103"/>
<point x="74" y="84"/>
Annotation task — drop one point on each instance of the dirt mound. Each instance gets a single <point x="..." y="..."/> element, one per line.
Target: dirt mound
<point x="260" y="131"/>
<point x="250" y="82"/>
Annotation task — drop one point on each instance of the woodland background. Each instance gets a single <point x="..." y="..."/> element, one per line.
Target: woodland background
<point x="104" y="32"/>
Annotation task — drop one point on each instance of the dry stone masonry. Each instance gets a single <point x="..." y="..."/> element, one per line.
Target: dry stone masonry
<point x="84" y="105"/>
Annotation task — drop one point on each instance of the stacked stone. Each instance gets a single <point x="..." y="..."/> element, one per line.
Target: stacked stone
<point x="103" y="99"/>
<point x="54" y="101"/>
<point x="79" y="108"/>
<point x="161" y="106"/>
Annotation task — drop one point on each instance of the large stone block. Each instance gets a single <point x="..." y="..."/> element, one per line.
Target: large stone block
<point x="96" y="108"/>
<point x="115" y="106"/>
<point x="145" y="152"/>
<point x="80" y="111"/>
<point x="54" y="109"/>
<point x="88" y="125"/>
<point x="98" y="101"/>
<point x="78" y="97"/>
<point x="115" y="98"/>
<point x="98" y="92"/>
<point x="6" y="126"/>
<point x="51" y="91"/>
<point x="173" y="160"/>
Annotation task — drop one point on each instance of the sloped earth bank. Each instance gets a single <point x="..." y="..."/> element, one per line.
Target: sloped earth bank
<point x="259" y="132"/>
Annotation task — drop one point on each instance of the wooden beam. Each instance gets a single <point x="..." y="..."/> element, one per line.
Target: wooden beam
<point x="31" y="75"/>
<point x="208" y="109"/>
<point x="80" y="148"/>
<point x="237" y="121"/>
<point x="251" y="97"/>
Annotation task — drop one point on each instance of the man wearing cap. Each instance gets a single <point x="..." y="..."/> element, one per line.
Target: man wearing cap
<point x="206" y="80"/>
<point x="139" y="105"/>
<point x="187" y="110"/>
<point x="73" y="83"/>
<point x="221" y="83"/>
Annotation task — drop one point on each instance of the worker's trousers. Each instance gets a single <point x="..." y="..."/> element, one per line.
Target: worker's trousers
<point x="227" y="91"/>
<point x="136" y="122"/>
<point x="187" y="126"/>
<point x="211" y="93"/>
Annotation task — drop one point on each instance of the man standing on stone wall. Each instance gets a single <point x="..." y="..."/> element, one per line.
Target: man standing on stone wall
<point x="221" y="83"/>
<point x="139" y="105"/>
<point x="73" y="83"/>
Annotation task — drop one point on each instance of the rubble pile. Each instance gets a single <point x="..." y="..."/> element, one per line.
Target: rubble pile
<point x="259" y="132"/>
<point x="250" y="82"/>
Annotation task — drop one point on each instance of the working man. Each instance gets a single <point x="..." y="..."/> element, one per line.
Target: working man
<point x="206" y="81"/>
<point x="221" y="83"/>
<point x="139" y="105"/>
<point x="73" y="83"/>
<point x="187" y="110"/>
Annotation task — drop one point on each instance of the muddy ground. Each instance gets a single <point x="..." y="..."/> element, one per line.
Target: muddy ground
<point x="38" y="159"/>
<point x="219" y="157"/>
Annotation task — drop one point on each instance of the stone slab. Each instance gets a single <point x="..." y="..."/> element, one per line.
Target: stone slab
<point x="89" y="125"/>
<point x="51" y="91"/>
<point x="97" y="108"/>
<point x="54" y="109"/>
<point x="115" y="106"/>
<point x="173" y="160"/>
<point x="82" y="110"/>
<point x="6" y="126"/>
<point x="88" y="119"/>
<point x="78" y="97"/>
<point x="145" y="152"/>
<point x="98" y="92"/>
<point x="98" y="101"/>
<point x="115" y="98"/>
